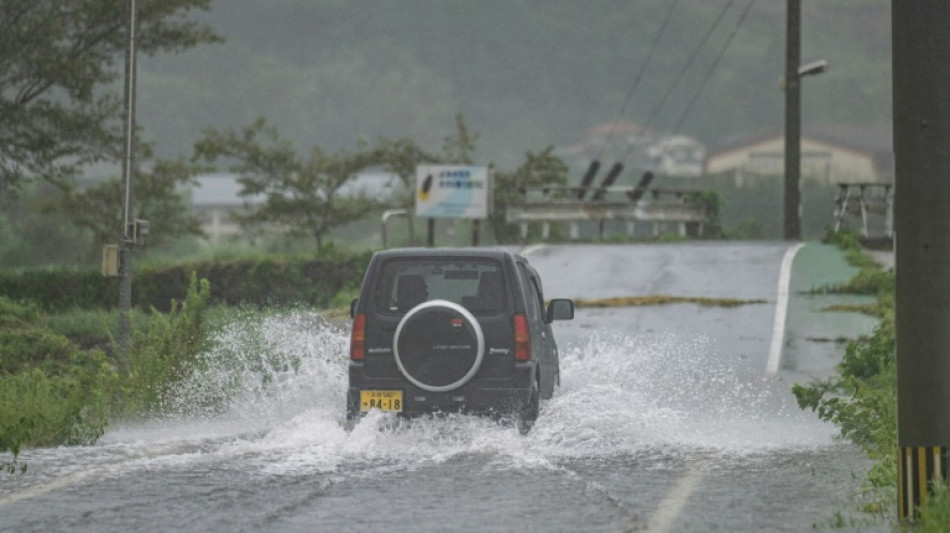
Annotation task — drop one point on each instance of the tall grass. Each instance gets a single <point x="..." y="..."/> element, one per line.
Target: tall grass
<point x="55" y="392"/>
<point x="162" y="353"/>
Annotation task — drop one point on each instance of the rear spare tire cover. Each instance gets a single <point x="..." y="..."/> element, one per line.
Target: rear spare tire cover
<point x="438" y="346"/>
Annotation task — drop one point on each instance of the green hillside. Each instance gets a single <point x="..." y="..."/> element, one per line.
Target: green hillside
<point x="525" y="73"/>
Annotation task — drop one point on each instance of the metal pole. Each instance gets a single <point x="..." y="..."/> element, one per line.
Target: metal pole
<point x="921" y="83"/>
<point x="793" y="133"/>
<point x="128" y="164"/>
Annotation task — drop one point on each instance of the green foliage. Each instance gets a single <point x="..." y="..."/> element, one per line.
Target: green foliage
<point x="401" y="157"/>
<point x="753" y="209"/>
<point x="60" y="288"/>
<point x="162" y="354"/>
<point x="538" y="169"/>
<point x="57" y="96"/>
<point x="38" y="409"/>
<point x="713" y="203"/>
<point x="457" y="149"/>
<point x="51" y="391"/>
<point x="862" y="399"/>
<point x="848" y="241"/>
<point x="301" y="195"/>
<point x="258" y="281"/>
<point x="935" y="516"/>
<point x="158" y="198"/>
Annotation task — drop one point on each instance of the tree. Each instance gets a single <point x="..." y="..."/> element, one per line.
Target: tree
<point x="401" y="157"/>
<point x="542" y="168"/>
<point x="302" y="196"/>
<point x="157" y="198"/>
<point x="58" y="109"/>
<point x="458" y="150"/>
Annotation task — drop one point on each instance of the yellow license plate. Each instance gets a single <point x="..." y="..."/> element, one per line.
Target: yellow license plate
<point x="384" y="400"/>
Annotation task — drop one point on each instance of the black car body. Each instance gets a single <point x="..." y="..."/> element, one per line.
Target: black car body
<point x="446" y="330"/>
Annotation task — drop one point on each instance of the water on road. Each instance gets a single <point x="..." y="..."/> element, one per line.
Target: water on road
<point x="650" y="430"/>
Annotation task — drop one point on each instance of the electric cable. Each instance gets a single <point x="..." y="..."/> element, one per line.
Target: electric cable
<point x="681" y="74"/>
<point x="722" y="52"/>
<point x="709" y="73"/>
<point x="639" y="76"/>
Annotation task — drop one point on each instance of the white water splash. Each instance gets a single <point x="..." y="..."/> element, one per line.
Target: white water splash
<point x="279" y="383"/>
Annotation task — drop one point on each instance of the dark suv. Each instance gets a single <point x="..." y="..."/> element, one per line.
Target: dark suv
<point x="446" y="330"/>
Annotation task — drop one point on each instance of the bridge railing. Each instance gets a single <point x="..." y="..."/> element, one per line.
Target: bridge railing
<point x="865" y="200"/>
<point x="684" y="209"/>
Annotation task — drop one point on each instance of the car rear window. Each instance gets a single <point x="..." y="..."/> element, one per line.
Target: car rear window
<point x="476" y="284"/>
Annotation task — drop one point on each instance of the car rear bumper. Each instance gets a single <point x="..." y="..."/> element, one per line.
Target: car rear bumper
<point x="492" y="396"/>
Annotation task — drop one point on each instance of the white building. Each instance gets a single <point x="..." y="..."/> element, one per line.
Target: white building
<point x="826" y="161"/>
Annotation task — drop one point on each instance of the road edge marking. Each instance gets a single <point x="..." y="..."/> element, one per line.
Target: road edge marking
<point x="672" y="506"/>
<point x="781" y="309"/>
<point x="39" y="490"/>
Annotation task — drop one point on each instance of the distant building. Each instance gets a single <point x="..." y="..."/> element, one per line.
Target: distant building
<point x="677" y="155"/>
<point x="216" y="199"/>
<point x="823" y="160"/>
<point x="631" y="144"/>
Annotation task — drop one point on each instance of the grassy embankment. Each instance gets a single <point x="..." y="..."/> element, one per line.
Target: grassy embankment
<point x="61" y="380"/>
<point x="862" y="399"/>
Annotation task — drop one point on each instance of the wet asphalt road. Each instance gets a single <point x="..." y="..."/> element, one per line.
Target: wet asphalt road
<point x="666" y="420"/>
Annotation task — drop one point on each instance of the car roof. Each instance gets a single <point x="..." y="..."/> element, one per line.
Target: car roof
<point x="490" y="253"/>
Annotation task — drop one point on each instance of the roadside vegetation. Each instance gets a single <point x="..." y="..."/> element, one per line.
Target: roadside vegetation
<point x="862" y="399"/>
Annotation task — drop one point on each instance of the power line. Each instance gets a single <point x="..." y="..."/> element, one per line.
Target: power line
<point x="712" y="69"/>
<point x="638" y="77"/>
<point x="682" y="73"/>
<point x="709" y="73"/>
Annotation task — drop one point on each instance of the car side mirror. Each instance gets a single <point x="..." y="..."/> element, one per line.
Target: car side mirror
<point x="560" y="309"/>
<point x="353" y="304"/>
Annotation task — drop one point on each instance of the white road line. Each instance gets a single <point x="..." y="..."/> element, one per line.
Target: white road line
<point x="781" y="310"/>
<point x="672" y="506"/>
<point x="40" y="490"/>
<point x="533" y="248"/>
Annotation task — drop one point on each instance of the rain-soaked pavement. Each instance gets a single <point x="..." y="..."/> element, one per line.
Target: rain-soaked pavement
<point x="667" y="419"/>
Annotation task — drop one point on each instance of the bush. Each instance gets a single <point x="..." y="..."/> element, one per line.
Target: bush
<point x="164" y="353"/>
<point x="51" y="392"/>
<point x="260" y="282"/>
<point x="935" y="516"/>
<point x="54" y="393"/>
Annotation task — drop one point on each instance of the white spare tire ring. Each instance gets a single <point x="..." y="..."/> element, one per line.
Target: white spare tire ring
<point x="434" y="348"/>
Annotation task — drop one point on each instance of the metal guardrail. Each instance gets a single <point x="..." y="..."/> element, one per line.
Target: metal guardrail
<point x="389" y="213"/>
<point x="659" y="207"/>
<point x="863" y="200"/>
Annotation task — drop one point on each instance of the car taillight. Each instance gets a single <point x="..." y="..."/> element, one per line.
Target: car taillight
<point x="358" y="338"/>
<point x="522" y="338"/>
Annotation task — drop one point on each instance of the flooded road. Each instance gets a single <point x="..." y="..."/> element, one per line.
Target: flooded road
<point x="666" y="420"/>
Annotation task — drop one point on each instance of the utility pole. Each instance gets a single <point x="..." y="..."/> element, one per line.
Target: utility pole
<point x="793" y="120"/>
<point x="921" y="82"/>
<point x="128" y="232"/>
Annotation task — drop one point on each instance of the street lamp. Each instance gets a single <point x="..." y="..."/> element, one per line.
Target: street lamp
<point x="794" y="72"/>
